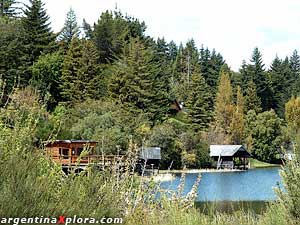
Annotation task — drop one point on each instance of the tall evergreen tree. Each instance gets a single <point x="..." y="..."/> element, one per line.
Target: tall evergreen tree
<point x="295" y="73"/>
<point x="137" y="82"/>
<point x="11" y="54"/>
<point x="245" y="76"/>
<point x="257" y="73"/>
<point x="186" y="63"/>
<point x="280" y="77"/>
<point x="80" y="72"/>
<point x="237" y="125"/>
<point x="88" y="31"/>
<point x="224" y="107"/>
<point x="252" y="101"/>
<point x="38" y="35"/>
<point x="111" y="33"/>
<point x="70" y="29"/>
<point x="198" y="102"/>
<point x="210" y="66"/>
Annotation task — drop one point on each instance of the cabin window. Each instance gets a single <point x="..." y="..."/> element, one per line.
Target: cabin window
<point x="59" y="151"/>
<point x="79" y="150"/>
<point x="73" y="151"/>
<point x="65" y="153"/>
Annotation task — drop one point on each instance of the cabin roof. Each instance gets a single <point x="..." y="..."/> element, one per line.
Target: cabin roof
<point x="227" y="150"/>
<point x="70" y="142"/>
<point x="150" y="153"/>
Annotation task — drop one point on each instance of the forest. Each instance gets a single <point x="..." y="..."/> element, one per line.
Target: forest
<point x="111" y="83"/>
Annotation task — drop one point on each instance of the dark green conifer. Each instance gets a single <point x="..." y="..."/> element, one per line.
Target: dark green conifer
<point x="138" y="82"/>
<point x="198" y="102"/>
<point x="80" y="72"/>
<point x="252" y="101"/>
<point x="38" y="35"/>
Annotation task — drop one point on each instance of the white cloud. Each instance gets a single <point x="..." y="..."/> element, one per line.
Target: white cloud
<point x="232" y="27"/>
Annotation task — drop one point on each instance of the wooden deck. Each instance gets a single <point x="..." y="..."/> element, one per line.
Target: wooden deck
<point x="76" y="161"/>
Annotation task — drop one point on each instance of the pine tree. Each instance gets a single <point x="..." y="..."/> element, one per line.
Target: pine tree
<point x="94" y="86"/>
<point x="70" y="29"/>
<point x="88" y="31"/>
<point x="8" y="8"/>
<point x="11" y="54"/>
<point x="295" y="73"/>
<point x="186" y="63"/>
<point x="112" y="32"/>
<point x="280" y="77"/>
<point x="80" y="72"/>
<point x="252" y="101"/>
<point x="257" y="73"/>
<point x="38" y="35"/>
<point x="237" y="125"/>
<point x="210" y="66"/>
<point x="198" y="102"/>
<point x="245" y="76"/>
<point x="224" y="107"/>
<point x="137" y="82"/>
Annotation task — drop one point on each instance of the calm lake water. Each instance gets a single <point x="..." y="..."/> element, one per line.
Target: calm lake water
<point x="246" y="189"/>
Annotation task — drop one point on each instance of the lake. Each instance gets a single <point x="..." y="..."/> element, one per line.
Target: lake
<point x="244" y="189"/>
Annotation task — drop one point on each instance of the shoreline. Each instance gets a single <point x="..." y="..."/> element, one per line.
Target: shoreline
<point x="209" y="170"/>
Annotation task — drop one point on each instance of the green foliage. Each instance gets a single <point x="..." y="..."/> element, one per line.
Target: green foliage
<point x="265" y="130"/>
<point x="195" y="150"/>
<point x="8" y="8"/>
<point x="184" y="66"/>
<point x="224" y="103"/>
<point x="11" y="54"/>
<point x="164" y="136"/>
<point x="111" y="33"/>
<point x="138" y="83"/>
<point x="292" y="117"/>
<point x="252" y="101"/>
<point x="292" y="113"/>
<point x="210" y="67"/>
<point x="289" y="198"/>
<point x="37" y="33"/>
<point x="295" y="73"/>
<point x="198" y="102"/>
<point x="70" y="29"/>
<point x="238" y="122"/>
<point x="81" y="75"/>
<point x="255" y="71"/>
<point x="280" y="81"/>
<point x="46" y="75"/>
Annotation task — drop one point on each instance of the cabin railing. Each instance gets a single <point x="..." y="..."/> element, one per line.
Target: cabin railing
<point x="89" y="159"/>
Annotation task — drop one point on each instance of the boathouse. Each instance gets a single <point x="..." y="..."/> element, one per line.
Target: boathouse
<point x="230" y="156"/>
<point x="149" y="159"/>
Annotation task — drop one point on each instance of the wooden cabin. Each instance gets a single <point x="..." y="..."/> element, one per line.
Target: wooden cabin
<point x="230" y="156"/>
<point x="67" y="152"/>
<point x="175" y="107"/>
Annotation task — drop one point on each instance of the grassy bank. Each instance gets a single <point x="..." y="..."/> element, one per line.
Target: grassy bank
<point x="259" y="164"/>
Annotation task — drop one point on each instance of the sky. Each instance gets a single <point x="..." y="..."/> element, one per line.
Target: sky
<point x="232" y="27"/>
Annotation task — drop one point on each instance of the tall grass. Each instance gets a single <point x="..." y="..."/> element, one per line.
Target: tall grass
<point x="32" y="185"/>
